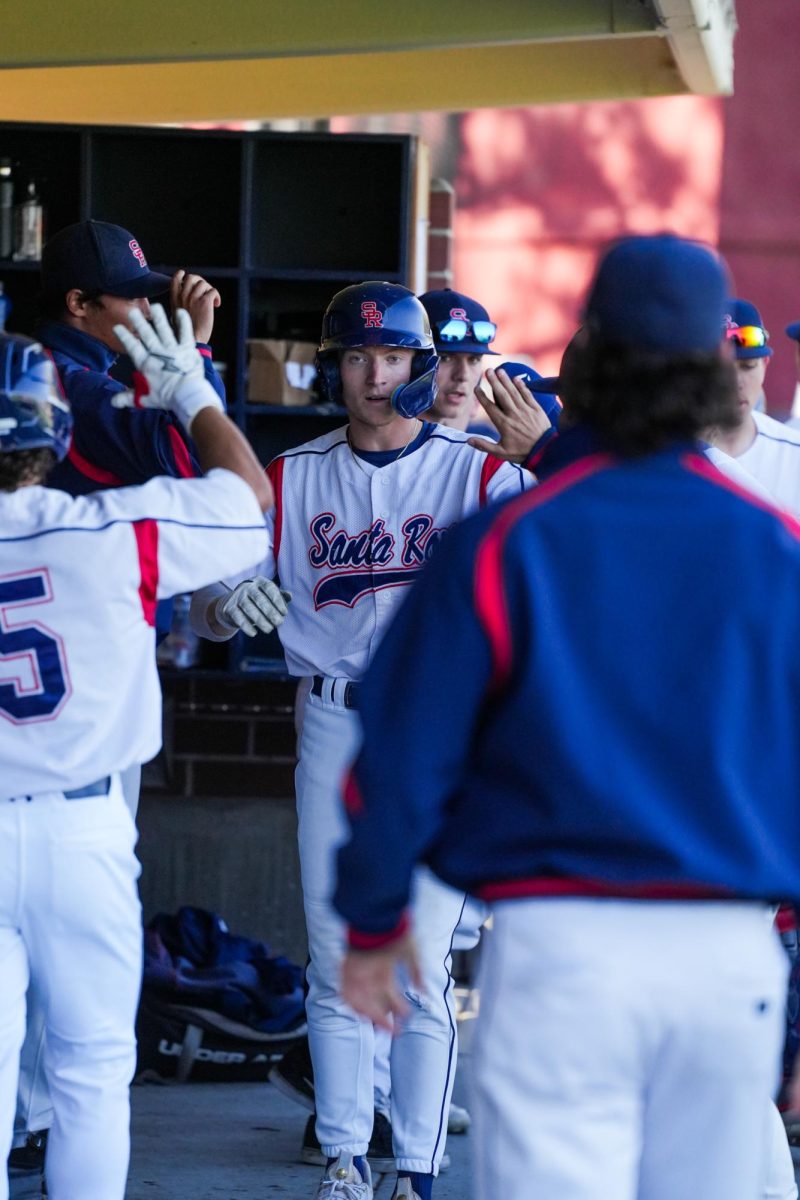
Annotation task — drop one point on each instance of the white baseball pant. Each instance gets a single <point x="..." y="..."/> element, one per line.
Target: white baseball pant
<point x="627" y="1050"/>
<point x="34" y="1106"/>
<point x="70" y="922"/>
<point x="423" y="1056"/>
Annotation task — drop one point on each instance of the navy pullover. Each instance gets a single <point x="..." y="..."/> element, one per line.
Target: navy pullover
<point x="112" y="447"/>
<point x="592" y="690"/>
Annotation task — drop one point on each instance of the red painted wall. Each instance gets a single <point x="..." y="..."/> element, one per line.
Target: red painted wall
<point x="760" y="186"/>
<point x="540" y="190"/>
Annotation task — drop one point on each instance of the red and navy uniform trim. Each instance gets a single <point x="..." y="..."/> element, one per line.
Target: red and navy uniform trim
<point x="146" y="533"/>
<point x="491" y="605"/>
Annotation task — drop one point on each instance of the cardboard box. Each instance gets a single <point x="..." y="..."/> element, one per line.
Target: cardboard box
<point x="280" y="372"/>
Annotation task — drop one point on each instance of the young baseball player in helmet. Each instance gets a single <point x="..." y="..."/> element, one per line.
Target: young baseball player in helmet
<point x="358" y="513"/>
<point x="628" y="723"/>
<point x="79" y="703"/>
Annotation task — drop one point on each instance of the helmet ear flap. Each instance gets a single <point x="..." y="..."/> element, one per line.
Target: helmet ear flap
<point x="327" y="364"/>
<point x="417" y="396"/>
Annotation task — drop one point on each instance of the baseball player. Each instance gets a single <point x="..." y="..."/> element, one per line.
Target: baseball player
<point x="358" y="512"/>
<point x="92" y="273"/>
<point x="79" y="702"/>
<point x="767" y="449"/>
<point x="627" y="722"/>
<point x="462" y="333"/>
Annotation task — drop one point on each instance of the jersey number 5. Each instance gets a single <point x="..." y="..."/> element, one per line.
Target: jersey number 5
<point x="34" y="680"/>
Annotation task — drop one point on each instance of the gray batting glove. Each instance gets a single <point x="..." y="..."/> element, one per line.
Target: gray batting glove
<point x="171" y="367"/>
<point x="254" y="606"/>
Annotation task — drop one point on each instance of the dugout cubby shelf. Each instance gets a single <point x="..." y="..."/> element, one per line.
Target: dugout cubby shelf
<point x="277" y="221"/>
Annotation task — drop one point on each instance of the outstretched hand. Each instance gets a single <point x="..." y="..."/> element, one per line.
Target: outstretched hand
<point x="370" y="981"/>
<point x="516" y="414"/>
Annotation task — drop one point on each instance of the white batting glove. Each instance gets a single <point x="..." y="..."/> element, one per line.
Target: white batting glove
<point x="172" y="367"/>
<point x="254" y="606"/>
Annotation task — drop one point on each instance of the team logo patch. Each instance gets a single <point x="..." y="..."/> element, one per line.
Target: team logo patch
<point x="458" y="314"/>
<point x="372" y="315"/>
<point x="138" y="253"/>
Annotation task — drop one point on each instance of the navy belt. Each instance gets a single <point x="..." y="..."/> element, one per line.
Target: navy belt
<point x="335" y="691"/>
<point x="100" y="787"/>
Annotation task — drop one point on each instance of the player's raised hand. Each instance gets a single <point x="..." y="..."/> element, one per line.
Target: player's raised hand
<point x="254" y="606"/>
<point x="370" y="981"/>
<point x="199" y="298"/>
<point x="171" y="374"/>
<point x="517" y="415"/>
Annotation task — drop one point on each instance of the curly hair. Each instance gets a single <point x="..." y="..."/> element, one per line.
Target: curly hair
<point x="22" y="467"/>
<point x="642" y="402"/>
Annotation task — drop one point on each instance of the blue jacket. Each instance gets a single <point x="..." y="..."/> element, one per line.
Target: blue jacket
<point x="112" y="447"/>
<point x="592" y="690"/>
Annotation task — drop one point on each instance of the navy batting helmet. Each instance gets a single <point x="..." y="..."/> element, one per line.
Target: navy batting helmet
<point x="379" y="314"/>
<point x="546" y="400"/>
<point x="460" y="324"/>
<point x="33" y="413"/>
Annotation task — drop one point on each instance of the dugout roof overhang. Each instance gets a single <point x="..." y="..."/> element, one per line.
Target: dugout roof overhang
<point x="143" y="61"/>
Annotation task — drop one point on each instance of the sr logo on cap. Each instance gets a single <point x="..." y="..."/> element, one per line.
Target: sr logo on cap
<point x="138" y="253"/>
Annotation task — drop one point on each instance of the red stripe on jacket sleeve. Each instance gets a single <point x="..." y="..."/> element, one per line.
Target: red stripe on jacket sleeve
<point x="275" y="476"/>
<point x="146" y="533"/>
<point x="180" y="453"/>
<point x="489" y="590"/>
<point x="488" y="471"/>
<point x="97" y="474"/>
<point x="376" y="941"/>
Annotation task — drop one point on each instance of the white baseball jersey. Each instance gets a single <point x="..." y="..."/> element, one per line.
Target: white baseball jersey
<point x="736" y="473"/>
<point x="79" y="582"/>
<point x="348" y="537"/>
<point x="774" y="460"/>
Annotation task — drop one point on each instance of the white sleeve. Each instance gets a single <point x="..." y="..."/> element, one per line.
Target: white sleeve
<point x="737" y="474"/>
<point x="509" y="480"/>
<point x="189" y="532"/>
<point x="202" y="599"/>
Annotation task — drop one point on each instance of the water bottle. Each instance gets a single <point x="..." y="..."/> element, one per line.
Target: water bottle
<point x="6" y="208"/>
<point x="30" y="219"/>
<point x="184" y="642"/>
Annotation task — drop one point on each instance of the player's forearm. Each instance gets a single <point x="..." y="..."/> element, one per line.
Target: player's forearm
<point x="219" y="443"/>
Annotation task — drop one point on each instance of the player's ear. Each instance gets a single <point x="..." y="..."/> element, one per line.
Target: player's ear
<point x="75" y="302"/>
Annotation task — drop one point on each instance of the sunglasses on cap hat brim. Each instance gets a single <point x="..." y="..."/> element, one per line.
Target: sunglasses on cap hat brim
<point x="749" y="337"/>
<point x="455" y="329"/>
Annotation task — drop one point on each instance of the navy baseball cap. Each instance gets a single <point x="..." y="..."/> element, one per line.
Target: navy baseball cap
<point x="97" y="257"/>
<point x="660" y="294"/>
<point x="745" y="330"/>
<point x="460" y="325"/>
<point x="793" y="330"/>
<point x="548" y="401"/>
